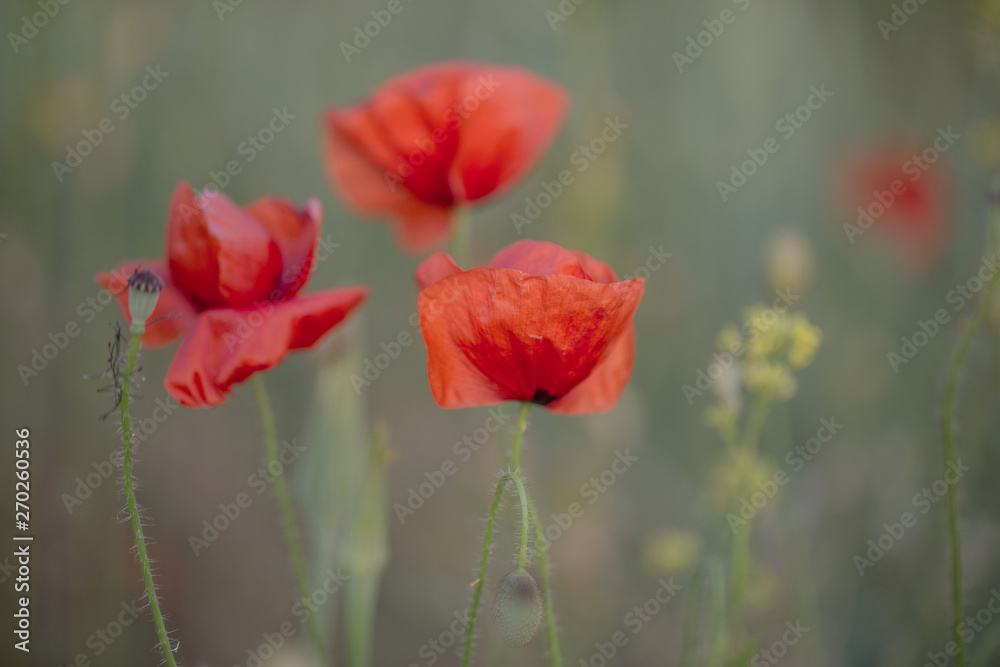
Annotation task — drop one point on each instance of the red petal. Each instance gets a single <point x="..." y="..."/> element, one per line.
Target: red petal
<point x="600" y="391"/>
<point x="217" y="253"/>
<point x="174" y="312"/>
<point x="512" y="118"/>
<point x="227" y="345"/>
<point x="539" y="258"/>
<point x="495" y="335"/>
<point x="437" y="136"/>
<point x="296" y="233"/>
<point x="438" y="266"/>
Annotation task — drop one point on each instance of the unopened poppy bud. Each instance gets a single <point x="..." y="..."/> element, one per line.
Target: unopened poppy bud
<point x="519" y="608"/>
<point x="144" y="289"/>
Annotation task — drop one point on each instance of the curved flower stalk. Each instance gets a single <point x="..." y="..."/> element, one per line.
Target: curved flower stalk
<point x="539" y="325"/>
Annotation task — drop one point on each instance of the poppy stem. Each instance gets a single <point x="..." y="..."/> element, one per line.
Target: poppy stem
<point x="287" y="514"/>
<point x="543" y="565"/>
<point x="951" y="451"/>
<point x="522" y="496"/>
<point x="461" y="237"/>
<point x="522" y="426"/>
<point x="484" y="560"/>
<point x="133" y="507"/>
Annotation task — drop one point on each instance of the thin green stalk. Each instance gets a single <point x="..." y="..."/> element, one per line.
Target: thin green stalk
<point x="287" y="514"/>
<point x="483" y="561"/>
<point x="133" y="508"/>
<point x="522" y="496"/>
<point x="522" y="426"/>
<point x="950" y="453"/>
<point x="461" y="237"/>
<point x="543" y="565"/>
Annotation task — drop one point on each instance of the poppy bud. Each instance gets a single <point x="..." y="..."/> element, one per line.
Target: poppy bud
<point x="144" y="288"/>
<point x="519" y="608"/>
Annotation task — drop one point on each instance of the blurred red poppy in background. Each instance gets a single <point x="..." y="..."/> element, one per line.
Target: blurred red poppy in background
<point x="231" y="283"/>
<point x="539" y="324"/>
<point x="438" y="137"/>
<point x="901" y="192"/>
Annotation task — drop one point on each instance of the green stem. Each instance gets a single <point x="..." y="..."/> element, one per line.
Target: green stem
<point x="522" y="426"/>
<point x="287" y="514"/>
<point x="522" y="496"/>
<point x="543" y="564"/>
<point x="950" y="453"/>
<point x="133" y="508"/>
<point x="483" y="561"/>
<point x="461" y="238"/>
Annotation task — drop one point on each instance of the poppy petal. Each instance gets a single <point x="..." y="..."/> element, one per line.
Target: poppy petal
<point x="228" y="345"/>
<point x="539" y="258"/>
<point x="438" y="266"/>
<point x="174" y="312"/>
<point x="296" y="232"/>
<point x="600" y="391"/>
<point x="494" y="335"/>
<point x="217" y="252"/>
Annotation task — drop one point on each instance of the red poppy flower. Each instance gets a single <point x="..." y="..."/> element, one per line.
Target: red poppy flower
<point x="437" y="137"/>
<point x="903" y="192"/>
<point x="539" y="324"/>
<point x="231" y="283"/>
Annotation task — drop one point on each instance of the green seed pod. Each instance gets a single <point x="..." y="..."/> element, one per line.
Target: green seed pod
<point x="519" y="608"/>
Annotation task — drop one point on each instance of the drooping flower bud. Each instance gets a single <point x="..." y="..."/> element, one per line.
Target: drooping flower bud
<point x="519" y="608"/>
<point x="144" y="289"/>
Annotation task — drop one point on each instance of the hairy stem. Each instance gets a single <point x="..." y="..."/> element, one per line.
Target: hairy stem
<point x="133" y="508"/>
<point x="483" y="562"/>
<point x="951" y="450"/>
<point x="461" y="237"/>
<point x="287" y="514"/>
<point x="543" y="565"/>
<point x="522" y="496"/>
<point x="522" y="426"/>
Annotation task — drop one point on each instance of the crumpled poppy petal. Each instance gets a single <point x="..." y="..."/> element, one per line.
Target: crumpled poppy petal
<point x="228" y="345"/>
<point x="296" y="232"/>
<point x="438" y="266"/>
<point x="217" y="252"/>
<point x="600" y="391"/>
<point x="174" y="312"/>
<point x="494" y="335"/>
<point x="539" y="258"/>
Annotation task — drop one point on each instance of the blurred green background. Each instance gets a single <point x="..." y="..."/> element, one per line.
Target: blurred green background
<point x="655" y="186"/>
